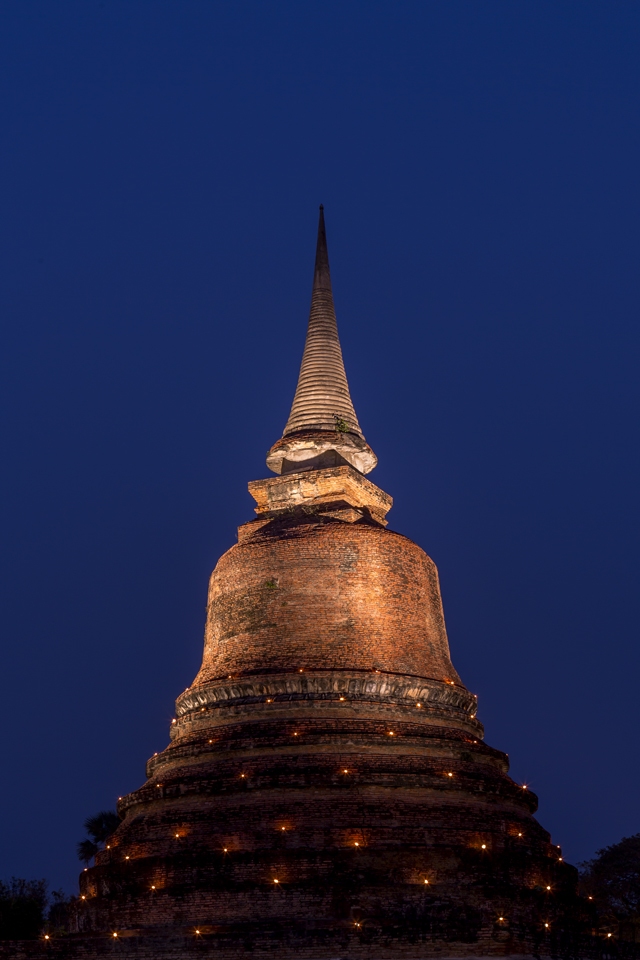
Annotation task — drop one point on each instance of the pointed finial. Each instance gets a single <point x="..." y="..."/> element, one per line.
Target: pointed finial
<point x="322" y="274"/>
<point x="322" y="417"/>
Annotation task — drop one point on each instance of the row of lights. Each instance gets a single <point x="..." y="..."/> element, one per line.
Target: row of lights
<point x="296" y="734"/>
<point x="356" y="844"/>
<point x="390" y="733"/>
<point x="344" y="771"/>
<point x="356" y="924"/>
<point x="243" y="777"/>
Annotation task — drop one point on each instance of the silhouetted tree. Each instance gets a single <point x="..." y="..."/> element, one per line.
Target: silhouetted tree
<point x="612" y="878"/>
<point x="22" y="908"/>
<point x="99" y="827"/>
<point x="59" y="913"/>
<point x="87" y="850"/>
<point x="102" y="825"/>
<point x="611" y="881"/>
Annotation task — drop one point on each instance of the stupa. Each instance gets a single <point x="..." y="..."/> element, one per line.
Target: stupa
<point x="327" y="792"/>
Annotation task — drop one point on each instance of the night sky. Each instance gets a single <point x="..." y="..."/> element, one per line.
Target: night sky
<point x="161" y="167"/>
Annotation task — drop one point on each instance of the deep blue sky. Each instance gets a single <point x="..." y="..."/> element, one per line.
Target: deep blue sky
<point x="160" y="170"/>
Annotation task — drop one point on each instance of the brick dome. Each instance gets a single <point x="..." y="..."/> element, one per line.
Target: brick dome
<point x="321" y="595"/>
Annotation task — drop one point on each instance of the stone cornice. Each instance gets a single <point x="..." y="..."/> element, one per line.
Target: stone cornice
<point x="330" y="685"/>
<point x="312" y="489"/>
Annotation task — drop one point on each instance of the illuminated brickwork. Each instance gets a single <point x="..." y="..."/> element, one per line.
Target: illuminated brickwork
<point x="327" y="787"/>
<point x="327" y="792"/>
<point x="326" y="596"/>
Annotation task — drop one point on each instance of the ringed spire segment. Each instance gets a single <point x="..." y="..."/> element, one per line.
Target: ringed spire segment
<point x="322" y="425"/>
<point x="322" y="394"/>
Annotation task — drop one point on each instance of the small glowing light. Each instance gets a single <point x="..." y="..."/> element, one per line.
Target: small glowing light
<point x="210" y="741"/>
<point x="418" y="704"/>
<point x="177" y="836"/>
<point x="108" y="846"/>
<point x="559" y="859"/>
<point x="83" y="897"/>
<point x="228" y="676"/>
<point x="501" y="919"/>
<point x="342" y="698"/>
<point x="119" y="798"/>
<point x="391" y="734"/>
<point x="484" y="846"/>
<point x="46" y="936"/>
<point x="546" y="924"/>
<point x="127" y="858"/>
<point x="590" y="898"/>
<point x="276" y="881"/>
<point x="426" y="881"/>
<point x="153" y="886"/>
<point x="356" y="844"/>
<point x="269" y="700"/>
<point x="283" y="828"/>
<point x="548" y="888"/>
<point x="156" y="754"/>
<point x="202" y="711"/>
<point x="198" y="932"/>
<point x="345" y="771"/>
<point x="295" y="734"/>
<point x="301" y="670"/>
<point x="609" y="934"/>
<point x="519" y="834"/>
<point x="85" y="869"/>
<point x="225" y="850"/>
<point x="115" y="934"/>
<point x="524" y="786"/>
<point x="449" y="774"/>
<point x="242" y="775"/>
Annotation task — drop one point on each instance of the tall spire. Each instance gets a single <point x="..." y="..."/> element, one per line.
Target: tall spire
<point x="322" y="396"/>
<point x="322" y="403"/>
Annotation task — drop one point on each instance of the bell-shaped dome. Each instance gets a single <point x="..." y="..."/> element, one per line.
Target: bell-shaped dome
<point x="321" y="595"/>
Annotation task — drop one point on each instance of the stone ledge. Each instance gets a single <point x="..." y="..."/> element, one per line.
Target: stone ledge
<point x="313" y="489"/>
<point x="398" y="690"/>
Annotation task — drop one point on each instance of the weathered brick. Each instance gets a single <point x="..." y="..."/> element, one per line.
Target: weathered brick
<point x="328" y="744"/>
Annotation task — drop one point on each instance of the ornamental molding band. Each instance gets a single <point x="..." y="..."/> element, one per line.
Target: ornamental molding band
<point x="326" y="792"/>
<point x="332" y="686"/>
